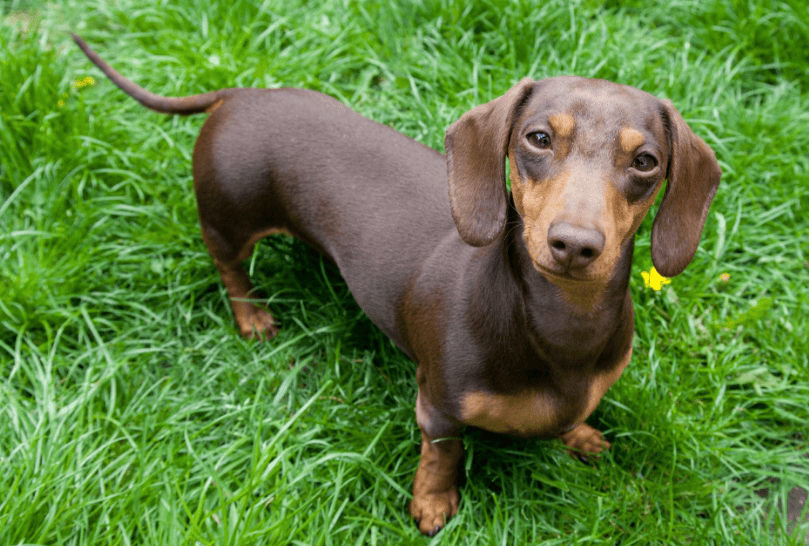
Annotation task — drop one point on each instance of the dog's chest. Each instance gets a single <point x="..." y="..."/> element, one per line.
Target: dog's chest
<point x="539" y="411"/>
<point x="534" y="412"/>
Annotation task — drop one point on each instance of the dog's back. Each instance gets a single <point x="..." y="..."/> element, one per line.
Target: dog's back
<point x="348" y="180"/>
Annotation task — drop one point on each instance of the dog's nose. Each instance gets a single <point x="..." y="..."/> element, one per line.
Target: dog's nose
<point x="574" y="247"/>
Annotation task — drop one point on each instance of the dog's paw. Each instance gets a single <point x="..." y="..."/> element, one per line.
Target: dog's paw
<point x="431" y="511"/>
<point x="585" y="443"/>
<point x="255" y="322"/>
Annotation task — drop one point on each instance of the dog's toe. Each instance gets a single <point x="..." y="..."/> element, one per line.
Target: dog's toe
<point x="432" y="511"/>
<point x="255" y="322"/>
<point x="585" y="443"/>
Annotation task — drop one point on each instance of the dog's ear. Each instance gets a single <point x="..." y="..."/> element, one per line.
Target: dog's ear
<point x="693" y="176"/>
<point x="476" y="147"/>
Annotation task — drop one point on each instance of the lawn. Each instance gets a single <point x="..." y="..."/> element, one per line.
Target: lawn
<point x="131" y="411"/>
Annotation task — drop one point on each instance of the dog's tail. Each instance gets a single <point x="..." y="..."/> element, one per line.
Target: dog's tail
<point x="194" y="104"/>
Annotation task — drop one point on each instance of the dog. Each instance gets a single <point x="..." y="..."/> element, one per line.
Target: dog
<point x="514" y="305"/>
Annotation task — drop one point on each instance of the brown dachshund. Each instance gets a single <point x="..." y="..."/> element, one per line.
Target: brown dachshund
<point x="515" y="306"/>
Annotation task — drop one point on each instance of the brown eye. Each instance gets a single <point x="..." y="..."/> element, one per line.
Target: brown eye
<point x="644" y="163"/>
<point x="540" y="140"/>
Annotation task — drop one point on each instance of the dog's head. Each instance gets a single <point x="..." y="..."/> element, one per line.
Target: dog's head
<point x="587" y="158"/>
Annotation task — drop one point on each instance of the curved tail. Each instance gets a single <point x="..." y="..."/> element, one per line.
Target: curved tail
<point x="194" y="104"/>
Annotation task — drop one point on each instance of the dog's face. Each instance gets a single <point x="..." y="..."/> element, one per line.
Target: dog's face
<point x="587" y="158"/>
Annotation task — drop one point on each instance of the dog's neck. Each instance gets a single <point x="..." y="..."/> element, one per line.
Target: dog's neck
<point x="573" y="321"/>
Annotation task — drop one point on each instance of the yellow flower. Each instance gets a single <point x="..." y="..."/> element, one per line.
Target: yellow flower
<point x="78" y="84"/>
<point x="654" y="280"/>
<point x="84" y="82"/>
<point x="724" y="277"/>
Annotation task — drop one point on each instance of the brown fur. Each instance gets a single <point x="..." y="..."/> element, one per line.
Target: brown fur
<point x="515" y="306"/>
<point x="630" y="139"/>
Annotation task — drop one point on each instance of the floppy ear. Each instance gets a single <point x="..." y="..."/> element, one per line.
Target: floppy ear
<point x="693" y="176"/>
<point x="476" y="146"/>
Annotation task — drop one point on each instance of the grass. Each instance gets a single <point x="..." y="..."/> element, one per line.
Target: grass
<point x="133" y="413"/>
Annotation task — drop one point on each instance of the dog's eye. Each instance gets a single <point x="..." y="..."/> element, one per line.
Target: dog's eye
<point x="540" y="140"/>
<point x="644" y="163"/>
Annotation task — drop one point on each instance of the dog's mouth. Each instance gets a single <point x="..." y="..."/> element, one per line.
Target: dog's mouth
<point x="568" y="275"/>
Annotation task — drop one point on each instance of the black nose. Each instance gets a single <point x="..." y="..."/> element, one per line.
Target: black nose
<point x="574" y="247"/>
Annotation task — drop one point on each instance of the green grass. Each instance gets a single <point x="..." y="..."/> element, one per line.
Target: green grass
<point x="131" y="412"/>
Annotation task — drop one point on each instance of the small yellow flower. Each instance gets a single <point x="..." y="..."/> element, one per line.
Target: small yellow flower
<point x="84" y="82"/>
<point x="724" y="277"/>
<point x="654" y="280"/>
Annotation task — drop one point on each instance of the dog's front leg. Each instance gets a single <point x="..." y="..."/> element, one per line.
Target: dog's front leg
<point x="435" y="487"/>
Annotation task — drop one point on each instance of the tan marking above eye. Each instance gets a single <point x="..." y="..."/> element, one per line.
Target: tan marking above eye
<point x="563" y="124"/>
<point x="630" y="139"/>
